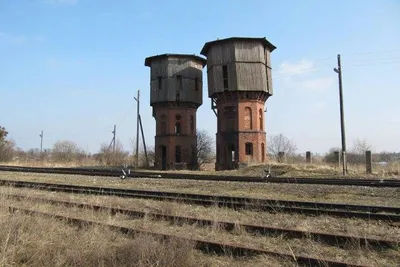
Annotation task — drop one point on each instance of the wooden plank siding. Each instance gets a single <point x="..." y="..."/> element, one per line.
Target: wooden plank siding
<point x="168" y="69"/>
<point x="248" y="64"/>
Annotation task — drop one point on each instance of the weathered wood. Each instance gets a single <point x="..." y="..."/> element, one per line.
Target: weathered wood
<point x="368" y="161"/>
<point x="169" y="68"/>
<point x="308" y="156"/>
<point x="248" y="63"/>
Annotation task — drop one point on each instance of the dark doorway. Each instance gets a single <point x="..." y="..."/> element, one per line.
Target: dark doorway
<point x="178" y="154"/>
<point x="231" y="156"/>
<point x="163" y="157"/>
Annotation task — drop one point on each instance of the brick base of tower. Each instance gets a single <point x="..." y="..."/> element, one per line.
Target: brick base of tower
<point x="241" y="136"/>
<point x="175" y="146"/>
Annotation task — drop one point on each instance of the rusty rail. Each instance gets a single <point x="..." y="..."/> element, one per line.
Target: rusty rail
<point x="391" y="214"/>
<point x="331" y="239"/>
<point x="114" y="172"/>
<point x="202" y="245"/>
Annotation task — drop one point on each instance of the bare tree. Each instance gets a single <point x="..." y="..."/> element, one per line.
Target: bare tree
<point x="280" y="143"/>
<point x="108" y="157"/>
<point x="360" y="146"/>
<point x="66" y="151"/>
<point x="7" y="147"/>
<point x="205" y="148"/>
<point x="3" y="134"/>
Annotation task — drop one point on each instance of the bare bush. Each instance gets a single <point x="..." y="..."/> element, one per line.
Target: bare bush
<point x="280" y="143"/>
<point x="67" y="151"/>
<point x="205" y="148"/>
<point x="107" y="156"/>
<point x="7" y="147"/>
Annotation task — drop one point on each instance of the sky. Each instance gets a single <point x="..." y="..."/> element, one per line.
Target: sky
<point x="72" y="67"/>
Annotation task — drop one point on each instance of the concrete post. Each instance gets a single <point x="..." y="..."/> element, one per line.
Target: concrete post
<point x="308" y="156"/>
<point x="368" y="161"/>
<point x="281" y="157"/>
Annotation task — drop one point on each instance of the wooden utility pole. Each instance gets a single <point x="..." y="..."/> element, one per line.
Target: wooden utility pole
<point x="144" y="141"/>
<point x="41" y="144"/>
<point x="114" y="133"/>
<point x="137" y="128"/>
<point x="338" y="70"/>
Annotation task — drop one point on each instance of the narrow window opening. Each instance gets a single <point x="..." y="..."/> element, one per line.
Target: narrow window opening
<point x="159" y="80"/>
<point x="248" y="120"/>
<point x="249" y="149"/>
<point x="177" y="127"/>
<point x="260" y="117"/>
<point x="262" y="152"/>
<point x="177" y="154"/>
<point x="225" y="76"/>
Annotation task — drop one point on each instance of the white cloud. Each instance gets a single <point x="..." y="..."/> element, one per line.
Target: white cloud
<point x="289" y="68"/>
<point x="317" y="85"/>
<point x="61" y="2"/>
<point x="301" y="75"/>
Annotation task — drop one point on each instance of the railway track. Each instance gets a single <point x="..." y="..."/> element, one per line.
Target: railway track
<point x="330" y="239"/>
<point x="300" y="180"/>
<point x="200" y="244"/>
<point x="382" y="213"/>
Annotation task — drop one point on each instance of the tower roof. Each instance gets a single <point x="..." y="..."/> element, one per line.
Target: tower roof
<point x="193" y="57"/>
<point x="263" y="40"/>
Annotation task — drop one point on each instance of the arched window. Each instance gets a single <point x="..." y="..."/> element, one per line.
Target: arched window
<point x="249" y="149"/>
<point x="260" y="117"/>
<point x="178" y="124"/>
<point x="262" y="152"/>
<point x="248" y="122"/>
<point x="163" y="124"/>
<point x="191" y="124"/>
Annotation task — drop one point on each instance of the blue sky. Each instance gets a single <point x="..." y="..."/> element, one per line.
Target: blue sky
<point x="72" y="67"/>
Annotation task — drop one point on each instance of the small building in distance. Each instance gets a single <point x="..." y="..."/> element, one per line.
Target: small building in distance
<point x="176" y="93"/>
<point x="239" y="84"/>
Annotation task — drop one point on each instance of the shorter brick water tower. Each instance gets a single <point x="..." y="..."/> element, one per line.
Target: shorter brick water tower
<point x="239" y="84"/>
<point x="176" y="93"/>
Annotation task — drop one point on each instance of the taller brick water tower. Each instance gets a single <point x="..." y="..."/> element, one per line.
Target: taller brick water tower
<point x="176" y="93"/>
<point x="239" y="84"/>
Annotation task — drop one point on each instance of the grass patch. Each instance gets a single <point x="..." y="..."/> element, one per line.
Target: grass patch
<point x="304" y="246"/>
<point x="303" y="192"/>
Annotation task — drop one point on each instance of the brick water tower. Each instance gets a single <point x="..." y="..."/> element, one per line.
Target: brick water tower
<point x="239" y="84"/>
<point x="176" y="93"/>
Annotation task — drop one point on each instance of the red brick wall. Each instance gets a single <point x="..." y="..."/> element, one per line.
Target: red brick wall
<point x="242" y="133"/>
<point x="186" y="139"/>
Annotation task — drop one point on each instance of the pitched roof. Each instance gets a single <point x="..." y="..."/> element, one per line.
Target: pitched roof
<point x="263" y="40"/>
<point x="193" y="57"/>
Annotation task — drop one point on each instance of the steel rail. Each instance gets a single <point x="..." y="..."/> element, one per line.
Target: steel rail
<point x="113" y="172"/>
<point x="331" y="239"/>
<point x="201" y="244"/>
<point x="308" y="208"/>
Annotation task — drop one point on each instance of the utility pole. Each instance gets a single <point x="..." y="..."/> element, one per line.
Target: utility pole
<point x="114" y="133"/>
<point x="41" y="144"/>
<point x="137" y="128"/>
<point x="144" y="142"/>
<point x="338" y="70"/>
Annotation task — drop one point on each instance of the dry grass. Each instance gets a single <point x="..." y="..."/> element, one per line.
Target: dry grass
<point x="390" y="171"/>
<point x="304" y="247"/>
<point x="36" y="241"/>
<point x="302" y="192"/>
<point x="328" y="224"/>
